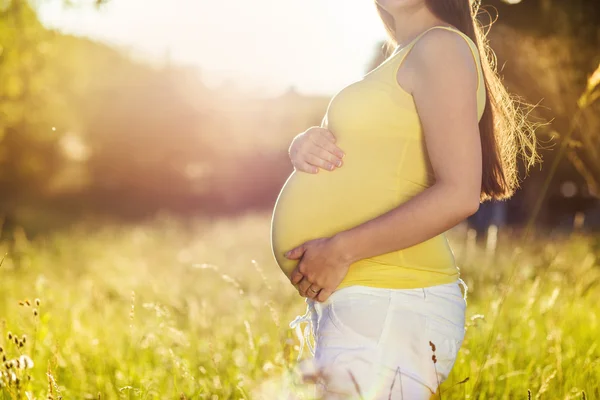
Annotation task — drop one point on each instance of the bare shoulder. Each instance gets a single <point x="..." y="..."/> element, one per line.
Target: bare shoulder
<point x="441" y="55"/>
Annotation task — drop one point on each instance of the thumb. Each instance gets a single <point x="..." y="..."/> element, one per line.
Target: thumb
<point x="296" y="253"/>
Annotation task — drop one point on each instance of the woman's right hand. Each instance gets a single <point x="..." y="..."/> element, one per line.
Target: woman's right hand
<point x="313" y="149"/>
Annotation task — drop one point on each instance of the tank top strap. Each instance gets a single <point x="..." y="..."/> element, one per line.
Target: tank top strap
<point x="474" y="51"/>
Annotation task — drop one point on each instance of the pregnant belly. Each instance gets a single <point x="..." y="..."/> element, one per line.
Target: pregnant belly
<point x="312" y="206"/>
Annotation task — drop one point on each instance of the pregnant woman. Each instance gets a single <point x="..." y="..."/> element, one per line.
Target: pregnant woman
<point x="426" y="136"/>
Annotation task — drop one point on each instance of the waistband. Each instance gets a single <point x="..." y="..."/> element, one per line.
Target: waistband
<point x="314" y="307"/>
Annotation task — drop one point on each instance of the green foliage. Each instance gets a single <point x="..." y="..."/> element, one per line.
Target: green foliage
<point x="199" y="309"/>
<point x="547" y="50"/>
<point x="544" y="18"/>
<point x="592" y="90"/>
<point x="26" y="102"/>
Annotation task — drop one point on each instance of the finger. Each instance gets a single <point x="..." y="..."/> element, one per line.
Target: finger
<point x="320" y="160"/>
<point x="296" y="277"/>
<point x="325" y="144"/>
<point x="326" y="133"/>
<point x="303" y="286"/>
<point x="296" y="253"/>
<point x="324" y="295"/>
<point x="316" y="131"/>
<point x="306" y="167"/>
<point x="324" y="154"/>
<point x="293" y="148"/>
<point x="312" y="291"/>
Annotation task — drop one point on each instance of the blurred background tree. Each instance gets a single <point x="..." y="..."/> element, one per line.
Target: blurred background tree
<point x="549" y="62"/>
<point x="553" y="61"/>
<point x="29" y="105"/>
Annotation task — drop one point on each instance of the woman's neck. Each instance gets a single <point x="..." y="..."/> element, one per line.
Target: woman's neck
<point x="409" y="23"/>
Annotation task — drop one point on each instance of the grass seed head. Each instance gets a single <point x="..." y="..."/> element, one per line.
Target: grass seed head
<point x="37" y="302"/>
<point x="27" y="302"/>
<point x="35" y="312"/>
<point x="10" y="336"/>
<point x="26" y="362"/>
<point x="432" y="345"/>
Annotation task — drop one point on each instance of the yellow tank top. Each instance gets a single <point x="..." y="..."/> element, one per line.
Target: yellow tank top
<point x="376" y="123"/>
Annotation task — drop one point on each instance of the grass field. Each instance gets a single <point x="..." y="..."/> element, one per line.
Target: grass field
<point x="198" y="310"/>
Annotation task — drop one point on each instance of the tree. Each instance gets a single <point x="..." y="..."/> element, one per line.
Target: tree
<point x="548" y="50"/>
<point x="27" y="142"/>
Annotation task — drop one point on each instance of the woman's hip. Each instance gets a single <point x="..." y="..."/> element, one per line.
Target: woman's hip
<point x="360" y="309"/>
<point x="364" y="328"/>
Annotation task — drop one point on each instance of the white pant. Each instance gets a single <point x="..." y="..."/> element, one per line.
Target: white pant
<point x="370" y="339"/>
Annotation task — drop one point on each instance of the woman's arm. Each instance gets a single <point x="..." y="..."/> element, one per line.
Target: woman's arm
<point x="444" y="83"/>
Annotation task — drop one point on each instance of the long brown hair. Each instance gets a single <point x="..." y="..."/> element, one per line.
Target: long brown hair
<point x="505" y="130"/>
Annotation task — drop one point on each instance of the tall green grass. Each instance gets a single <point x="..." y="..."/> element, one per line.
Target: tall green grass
<point x="198" y="310"/>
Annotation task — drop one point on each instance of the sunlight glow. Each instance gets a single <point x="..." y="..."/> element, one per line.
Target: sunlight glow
<point x="315" y="45"/>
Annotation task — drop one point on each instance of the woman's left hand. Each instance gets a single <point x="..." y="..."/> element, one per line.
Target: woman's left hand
<point x="321" y="268"/>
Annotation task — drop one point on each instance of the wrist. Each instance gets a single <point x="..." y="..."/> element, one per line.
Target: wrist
<point x="343" y="244"/>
